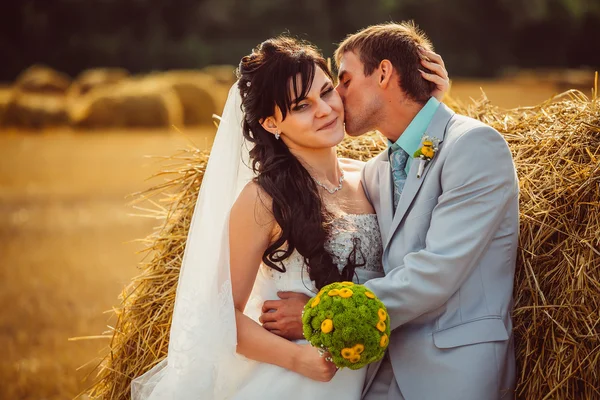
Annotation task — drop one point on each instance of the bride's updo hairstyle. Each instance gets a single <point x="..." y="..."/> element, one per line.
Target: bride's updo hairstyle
<point x="264" y="83"/>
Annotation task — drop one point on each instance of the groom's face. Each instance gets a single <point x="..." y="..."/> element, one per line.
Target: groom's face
<point x="360" y="95"/>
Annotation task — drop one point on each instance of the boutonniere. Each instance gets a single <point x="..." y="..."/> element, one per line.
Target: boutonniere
<point x="426" y="153"/>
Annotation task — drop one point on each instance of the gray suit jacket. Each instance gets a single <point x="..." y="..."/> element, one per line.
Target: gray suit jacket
<point x="449" y="260"/>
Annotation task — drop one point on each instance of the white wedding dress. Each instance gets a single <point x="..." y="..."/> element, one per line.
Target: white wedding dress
<point x="202" y="363"/>
<point x="270" y="382"/>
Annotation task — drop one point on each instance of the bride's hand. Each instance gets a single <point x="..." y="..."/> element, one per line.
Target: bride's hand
<point x="434" y="63"/>
<point x="311" y="364"/>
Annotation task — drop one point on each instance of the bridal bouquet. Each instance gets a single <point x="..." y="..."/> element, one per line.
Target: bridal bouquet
<point x="350" y="322"/>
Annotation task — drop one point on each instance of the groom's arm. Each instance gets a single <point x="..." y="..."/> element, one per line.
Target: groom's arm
<point x="479" y="182"/>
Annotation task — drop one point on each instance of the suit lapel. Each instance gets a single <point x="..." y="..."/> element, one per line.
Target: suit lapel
<point x="386" y="194"/>
<point x="436" y="129"/>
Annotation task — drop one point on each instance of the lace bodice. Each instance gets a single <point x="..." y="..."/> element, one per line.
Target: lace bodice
<point x="346" y="230"/>
<point x="360" y="228"/>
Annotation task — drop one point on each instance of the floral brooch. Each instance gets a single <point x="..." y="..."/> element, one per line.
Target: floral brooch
<point x="426" y="153"/>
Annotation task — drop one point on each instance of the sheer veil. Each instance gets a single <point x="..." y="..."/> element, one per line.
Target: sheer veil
<point x="202" y="360"/>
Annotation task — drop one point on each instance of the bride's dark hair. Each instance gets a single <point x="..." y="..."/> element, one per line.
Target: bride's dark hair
<point x="264" y="83"/>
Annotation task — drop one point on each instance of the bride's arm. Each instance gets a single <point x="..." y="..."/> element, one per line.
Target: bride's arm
<point x="251" y="231"/>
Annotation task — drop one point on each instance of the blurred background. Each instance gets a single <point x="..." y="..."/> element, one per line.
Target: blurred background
<point x="89" y="88"/>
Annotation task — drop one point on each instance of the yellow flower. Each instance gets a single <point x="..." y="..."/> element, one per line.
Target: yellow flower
<point x="315" y="302"/>
<point x="381" y="326"/>
<point x="384" y="341"/>
<point x="427" y="143"/>
<point x="327" y="326"/>
<point x="427" y="152"/>
<point x="355" y="358"/>
<point x="333" y="292"/>
<point x="382" y="314"/>
<point x="346" y="283"/>
<point x="370" y="295"/>
<point x="358" y="348"/>
<point x="347" y="353"/>
<point x="345" y="293"/>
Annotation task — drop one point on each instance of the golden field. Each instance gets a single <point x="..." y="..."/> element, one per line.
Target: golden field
<point x="66" y="233"/>
<point x="65" y="248"/>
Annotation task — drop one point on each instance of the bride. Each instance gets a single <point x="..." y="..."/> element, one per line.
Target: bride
<point x="277" y="211"/>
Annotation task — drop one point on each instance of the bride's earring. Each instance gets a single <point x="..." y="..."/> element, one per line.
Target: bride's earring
<point x="277" y="135"/>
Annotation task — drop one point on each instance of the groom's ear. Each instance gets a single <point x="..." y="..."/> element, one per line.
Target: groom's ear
<point x="385" y="72"/>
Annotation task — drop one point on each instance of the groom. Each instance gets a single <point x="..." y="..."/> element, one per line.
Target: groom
<point x="449" y="223"/>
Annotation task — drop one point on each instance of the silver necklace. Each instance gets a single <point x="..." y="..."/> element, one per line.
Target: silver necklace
<point x="335" y="189"/>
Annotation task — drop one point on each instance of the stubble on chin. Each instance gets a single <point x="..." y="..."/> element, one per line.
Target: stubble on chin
<point x="357" y="127"/>
<point x="365" y="119"/>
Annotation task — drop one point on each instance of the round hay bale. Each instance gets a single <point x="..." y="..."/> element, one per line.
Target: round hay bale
<point x="100" y="111"/>
<point x="200" y="94"/>
<point x="42" y="79"/>
<point x="134" y="103"/>
<point x="38" y="99"/>
<point x="6" y="95"/>
<point x="97" y="77"/>
<point x="220" y="94"/>
<point x="223" y="74"/>
<point x="198" y="104"/>
<point x="36" y="110"/>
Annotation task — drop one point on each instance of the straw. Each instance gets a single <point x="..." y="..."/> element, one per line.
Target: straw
<point x="556" y="149"/>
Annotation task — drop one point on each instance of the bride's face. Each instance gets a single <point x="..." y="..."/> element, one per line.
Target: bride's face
<point x="316" y="121"/>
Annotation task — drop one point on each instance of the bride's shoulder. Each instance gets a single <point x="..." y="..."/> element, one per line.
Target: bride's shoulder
<point x="255" y="201"/>
<point x="251" y="223"/>
<point x="350" y="165"/>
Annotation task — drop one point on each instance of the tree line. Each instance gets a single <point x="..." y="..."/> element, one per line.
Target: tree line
<point x="475" y="37"/>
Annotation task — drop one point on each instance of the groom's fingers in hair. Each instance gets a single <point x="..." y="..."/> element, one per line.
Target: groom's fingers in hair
<point x="435" y="68"/>
<point x="438" y="80"/>
<point x="436" y="58"/>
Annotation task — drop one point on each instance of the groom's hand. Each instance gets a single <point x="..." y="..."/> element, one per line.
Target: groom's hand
<point x="437" y="72"/>
<point x="284" y="317"/>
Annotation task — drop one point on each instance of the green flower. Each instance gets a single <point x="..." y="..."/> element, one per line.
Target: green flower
<point x="350" y="322"/>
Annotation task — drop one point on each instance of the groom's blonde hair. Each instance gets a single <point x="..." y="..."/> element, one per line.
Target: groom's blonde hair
<point x="398" y="43"/>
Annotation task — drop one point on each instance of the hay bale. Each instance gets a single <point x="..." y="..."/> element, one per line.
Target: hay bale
<point x="133" y="103"/>
<point x="36" y="110"/>
<point x="42" y="79"/>
<point x="38" y="99"/>
<point x="556" y="148"/>
<point x="6" y="95"/>
<point x="97" y="77"/>
<point x="223" y="74"/>
<point x="200" y="94"/>
<point x="198" y="104"/>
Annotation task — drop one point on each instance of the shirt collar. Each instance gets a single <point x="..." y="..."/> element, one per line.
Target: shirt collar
<point x="410" y="139"/>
